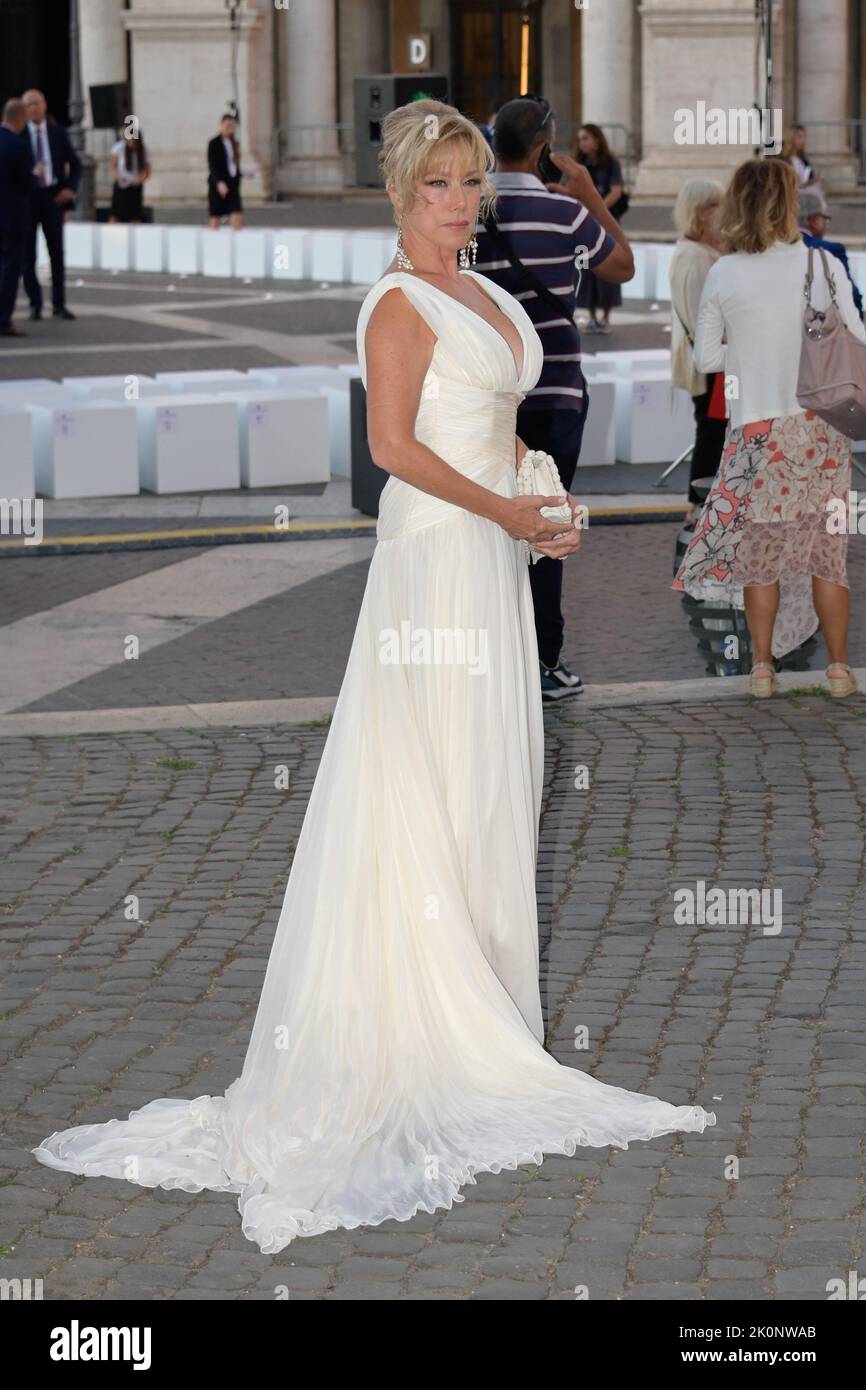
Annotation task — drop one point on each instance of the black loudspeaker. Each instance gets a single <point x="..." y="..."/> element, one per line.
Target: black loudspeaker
<point x="374" y="98"/>
<point x="109" y="105"/>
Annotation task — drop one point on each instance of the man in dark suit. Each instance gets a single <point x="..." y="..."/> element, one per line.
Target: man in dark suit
<point x="15" y="185"/>
<point x="813" y="217"/>
<point x="56" y="173"/>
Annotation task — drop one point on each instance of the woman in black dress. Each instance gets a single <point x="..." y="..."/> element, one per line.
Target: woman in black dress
<point x="594" y="294"/>
<point x="224" y="176"/>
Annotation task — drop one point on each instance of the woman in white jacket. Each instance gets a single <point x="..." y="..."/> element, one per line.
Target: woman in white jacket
<point x="764" y="537"/>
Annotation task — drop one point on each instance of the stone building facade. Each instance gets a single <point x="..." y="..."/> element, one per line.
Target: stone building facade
<point x="629" y="65"/>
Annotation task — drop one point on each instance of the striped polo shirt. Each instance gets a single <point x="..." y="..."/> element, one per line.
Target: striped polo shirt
<point x="546" y="230"/>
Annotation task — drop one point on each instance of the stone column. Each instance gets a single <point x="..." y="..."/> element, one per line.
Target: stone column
<point x="102" y="40"/>
<point x="822" y="91"/>
<point x="181" y="84"/>
<point x="696" y="51"/>
<point x="309" y="156"/>
<point x="607" y="53"/>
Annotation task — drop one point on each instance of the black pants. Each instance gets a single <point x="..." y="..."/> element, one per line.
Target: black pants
<point x="559" y="433"/>
<point x="47" y="215"/>
<point x="709" y="440"/>
<point x="11" y="246"/>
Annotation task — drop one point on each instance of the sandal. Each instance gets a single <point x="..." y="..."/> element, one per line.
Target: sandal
<point x="842" y="685"/>
<point x="762" y="680"/>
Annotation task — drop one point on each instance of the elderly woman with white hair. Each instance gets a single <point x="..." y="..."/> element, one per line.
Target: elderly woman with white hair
<point x="695" y="214"/>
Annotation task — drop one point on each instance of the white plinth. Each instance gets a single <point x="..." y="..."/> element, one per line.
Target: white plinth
<point x="17" y="465"/>
<point x="289" y="253"/>
<point x="184" y="250"/>
<point x="85" y="448"/>
<point x="149" y="248"/>
<point x="653" y="424"/>
<point x="598" y="446"/>
<point x="217" y="251"/>
<point x="114" y="246"/>
<point x="188" y="443"/>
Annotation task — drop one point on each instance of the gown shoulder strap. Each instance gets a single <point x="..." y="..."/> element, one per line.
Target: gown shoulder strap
<point x="422" y="296"/>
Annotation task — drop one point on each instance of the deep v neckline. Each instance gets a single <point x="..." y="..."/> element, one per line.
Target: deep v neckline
<point x="475" y="314"/>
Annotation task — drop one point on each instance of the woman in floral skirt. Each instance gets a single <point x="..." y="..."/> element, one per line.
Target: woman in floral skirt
<point x="766" y="538"/>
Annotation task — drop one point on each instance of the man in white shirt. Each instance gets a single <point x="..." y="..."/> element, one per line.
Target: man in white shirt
<point x="56" y="173"/>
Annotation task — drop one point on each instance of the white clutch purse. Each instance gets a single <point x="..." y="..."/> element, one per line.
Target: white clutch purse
<point x="538" y="476"/>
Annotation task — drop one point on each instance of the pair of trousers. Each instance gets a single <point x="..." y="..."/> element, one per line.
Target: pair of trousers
<point x="47" y="215"/>
<point x="11" y="243"/>
<point x="709" y="440"/>
<point x="558" y="433"/>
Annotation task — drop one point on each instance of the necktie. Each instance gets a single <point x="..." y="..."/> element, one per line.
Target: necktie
<point x="40" y="156"/>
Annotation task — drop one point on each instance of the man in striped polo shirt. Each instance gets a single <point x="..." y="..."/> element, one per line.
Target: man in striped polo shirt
<point x="557" y="231"/>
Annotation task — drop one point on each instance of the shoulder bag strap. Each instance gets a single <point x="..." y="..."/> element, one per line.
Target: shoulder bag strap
<point x="525" y="276"/>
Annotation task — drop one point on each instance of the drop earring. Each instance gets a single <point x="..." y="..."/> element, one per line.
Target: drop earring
<point x="402" y="259"/>
<point x="463" y="257"/>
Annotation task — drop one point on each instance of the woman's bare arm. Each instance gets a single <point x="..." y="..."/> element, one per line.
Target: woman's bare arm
<point x="398" y="347"/>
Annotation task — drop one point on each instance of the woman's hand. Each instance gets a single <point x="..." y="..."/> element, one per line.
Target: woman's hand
<point x="521" y="518"/>
<point x="222" y="189"/>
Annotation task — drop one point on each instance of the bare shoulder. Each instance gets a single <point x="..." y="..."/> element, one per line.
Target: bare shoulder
<point x="394" y="318"/>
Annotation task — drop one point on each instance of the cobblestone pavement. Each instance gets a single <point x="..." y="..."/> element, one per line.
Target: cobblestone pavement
<point x="100" y="1014"/>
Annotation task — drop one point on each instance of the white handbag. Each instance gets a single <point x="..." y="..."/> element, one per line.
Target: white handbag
<point x="538" y="476"/>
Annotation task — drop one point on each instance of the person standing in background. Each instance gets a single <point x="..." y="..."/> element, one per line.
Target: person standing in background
<point x="56" y="174"/>
<point x="224" y="176"/>
<point x="130" y="170"/>
<point x="548" y="228"/>
<point x="593" y="152"/>
<point x="695" y="216"/>
<point x="813" y="218"/>
<point x="793" y="151"/>
<point x="15" y="185"/>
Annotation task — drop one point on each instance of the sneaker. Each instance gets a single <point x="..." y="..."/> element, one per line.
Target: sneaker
<point x="589" y="326"/>
<point x="557" y="682"/>
<point x="602" y="326"/>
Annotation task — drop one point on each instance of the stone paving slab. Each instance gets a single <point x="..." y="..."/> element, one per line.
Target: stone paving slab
<point x="100" y="1014"/>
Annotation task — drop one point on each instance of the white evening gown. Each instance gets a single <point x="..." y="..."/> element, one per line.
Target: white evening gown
<point x="398" y="1045"/>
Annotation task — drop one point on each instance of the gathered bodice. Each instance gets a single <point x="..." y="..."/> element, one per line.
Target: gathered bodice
<point x="469" y="397"/>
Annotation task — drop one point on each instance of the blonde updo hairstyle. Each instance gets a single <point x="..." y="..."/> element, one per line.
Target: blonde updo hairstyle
<point x="419" y="139"/>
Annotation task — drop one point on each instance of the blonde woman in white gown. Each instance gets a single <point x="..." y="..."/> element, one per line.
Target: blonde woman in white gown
<point x="398" y="1047"/>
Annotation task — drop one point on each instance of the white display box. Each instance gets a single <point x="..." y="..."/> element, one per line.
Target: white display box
<point x="203" y="381"/>
<point x="284" y="435"/>
<point x="113" y="387"/>
<point x="114" y="246"/>
<point x="188" y="443"/>
<point x="149" y="250"/>
<point x="330" y="256"/>
<point x="250" y="247"/>
<point x="184" y="250"/>
<point x="17" y="464"/>
<point x="636" y="360"/>
<point x="653" y="423"/>
<point x="598" y="445"/>
<point x="20" y="389"/>
<point x="333" y="384"/>
<point x="79" y="246"/>
<point x="370" y="254"/>
<point x="664" y="253"/>
<point x="85" y="448"/>
<point x="216" y="251"/>
<point x="289" y="253"/>
<point x="643" y="286"/>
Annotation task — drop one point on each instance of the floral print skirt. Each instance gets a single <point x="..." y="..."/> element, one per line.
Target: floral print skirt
<point x="767" y="518"/>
